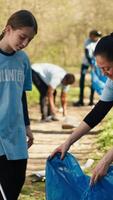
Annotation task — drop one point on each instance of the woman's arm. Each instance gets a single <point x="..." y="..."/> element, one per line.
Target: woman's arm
<point x="98" y="113"/>
<point x="82" y="129"/>
<point x="102" y="167"/>
<point x="92" y="119"/>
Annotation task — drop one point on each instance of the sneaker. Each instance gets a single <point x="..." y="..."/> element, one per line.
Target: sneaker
<point x="54" y="118"/>
<point x="91" y="104"/>
<point x="78" y="103"/>
<point x="47" y="119"/>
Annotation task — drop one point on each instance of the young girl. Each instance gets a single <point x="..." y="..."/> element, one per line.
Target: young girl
<point x="15" y="79"/>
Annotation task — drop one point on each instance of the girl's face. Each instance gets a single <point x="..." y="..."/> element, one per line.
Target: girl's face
<point x="19" y="38"/>
<point x="105" y="65"/>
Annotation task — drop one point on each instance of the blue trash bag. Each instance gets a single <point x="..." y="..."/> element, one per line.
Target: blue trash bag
<point x="66" y="181"/>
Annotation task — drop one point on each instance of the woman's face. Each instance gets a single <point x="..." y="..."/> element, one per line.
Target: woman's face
<point x="105" y="66"/>
<point x="20" y="38"/>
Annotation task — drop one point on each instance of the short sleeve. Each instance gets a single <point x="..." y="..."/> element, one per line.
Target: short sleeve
<point x="65" y="88"/>
<point x="54" y="81"/>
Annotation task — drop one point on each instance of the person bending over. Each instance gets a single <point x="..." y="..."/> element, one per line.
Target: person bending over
<point x="47" y="77"/>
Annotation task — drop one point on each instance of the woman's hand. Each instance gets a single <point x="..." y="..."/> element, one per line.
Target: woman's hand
<point x="61" y="149"/>
<point x="99" y="171"/>
<point x="30" y="136"/>
<point x="102" y="167"/>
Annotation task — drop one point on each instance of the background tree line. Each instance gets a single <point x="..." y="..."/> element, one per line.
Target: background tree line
<point x="63" y="26"/>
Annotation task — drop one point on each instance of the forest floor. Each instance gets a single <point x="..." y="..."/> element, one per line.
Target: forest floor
<point x="49" y="135"/>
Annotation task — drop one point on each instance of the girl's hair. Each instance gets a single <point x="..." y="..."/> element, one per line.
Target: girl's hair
<point x="105" y="47"/>
<point x="19" y="19"/>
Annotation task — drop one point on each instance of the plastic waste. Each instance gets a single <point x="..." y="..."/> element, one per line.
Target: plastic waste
<point x="88" y="164"/>
<point x="38" y="176"/>
<point x="70" y="122"/>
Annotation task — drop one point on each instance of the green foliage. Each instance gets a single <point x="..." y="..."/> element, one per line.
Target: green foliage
<point x="106" y="138"/>
<point x="73" y="94"/>
<point x="33" y="191"/>
<point x="63" y="26"/>
<point x="51" y="54"/>
<point x="33" y="96"/>
<point x="57" y="53"/>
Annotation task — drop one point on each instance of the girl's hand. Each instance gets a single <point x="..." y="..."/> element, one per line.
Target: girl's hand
<point x="99" y="171"/>
<point x="30" y="136"/>
<point x="61" y="149"/>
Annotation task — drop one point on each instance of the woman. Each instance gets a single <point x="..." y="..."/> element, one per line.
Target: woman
<point x="104" y="58"/>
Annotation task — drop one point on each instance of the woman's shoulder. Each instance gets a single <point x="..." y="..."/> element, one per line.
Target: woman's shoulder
<point x="109" y="83"/>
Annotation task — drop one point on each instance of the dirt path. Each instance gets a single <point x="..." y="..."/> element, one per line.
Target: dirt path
<point x="49" y="135"/>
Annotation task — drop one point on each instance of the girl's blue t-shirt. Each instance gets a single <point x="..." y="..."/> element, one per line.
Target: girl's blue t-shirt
<point x="15" y="77"/>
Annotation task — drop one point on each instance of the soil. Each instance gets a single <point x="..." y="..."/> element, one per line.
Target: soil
<point x="49" y="135"/>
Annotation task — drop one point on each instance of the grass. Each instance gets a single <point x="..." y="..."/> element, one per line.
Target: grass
<point x="106" y="138"/>
<point x="33" y="97"/>
<point x="36" y="190"/>
<point x="73" y="94"/>
<point x="33" y="190"/>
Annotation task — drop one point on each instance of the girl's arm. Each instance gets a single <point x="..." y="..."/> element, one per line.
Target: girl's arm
<point x="25" y="109"/>
<point x="26" y="120"/>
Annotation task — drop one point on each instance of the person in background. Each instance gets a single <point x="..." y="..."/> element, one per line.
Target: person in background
<point x="15" y="79"/>
<point x="89" y="47"/>
<point x="104" y="58"/>
<point x="47" y="77"/>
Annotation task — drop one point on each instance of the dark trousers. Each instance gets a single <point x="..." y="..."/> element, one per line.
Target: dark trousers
<point x="12" y="176"/>
<point x="84" y="69"/>
<point x="43" y="89"/>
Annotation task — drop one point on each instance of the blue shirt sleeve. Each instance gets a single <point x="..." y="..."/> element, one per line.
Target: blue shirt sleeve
<point x="107" y="94"/>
